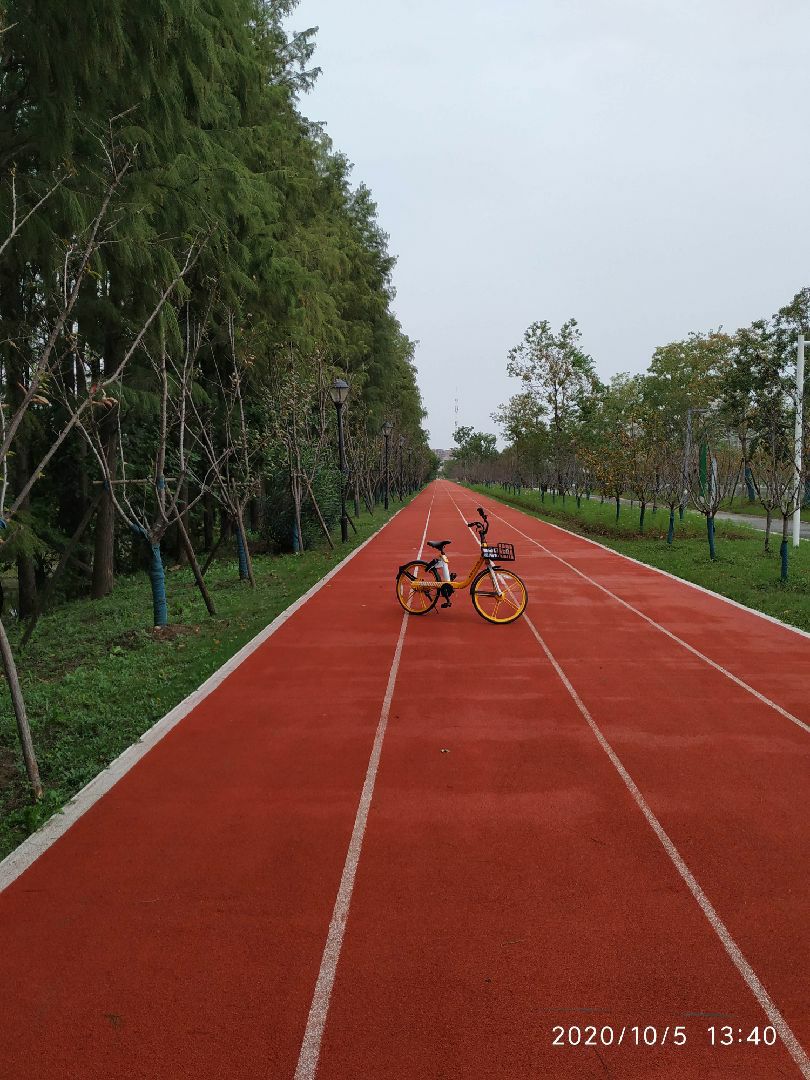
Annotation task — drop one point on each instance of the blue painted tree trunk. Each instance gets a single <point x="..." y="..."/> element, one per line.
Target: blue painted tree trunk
<point x="160" y="609"/>
<point x="681" y="509"/>
<point x="671" y="530"/>
<point x="297" y="546"/>
<point x="618" y="507"/>
<point x="641" y="517"/>
<point x="710" y="531"/>
<point x="749" y="484"/>
<point x="240" y="550"/>
<point x="783" y="554"/>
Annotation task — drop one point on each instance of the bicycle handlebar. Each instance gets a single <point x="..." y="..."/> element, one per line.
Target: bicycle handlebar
<point x="482" y="526"/>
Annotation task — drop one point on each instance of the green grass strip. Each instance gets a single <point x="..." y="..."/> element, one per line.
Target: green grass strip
<point x="742" y="571"/>
<point x="96" y="676"/>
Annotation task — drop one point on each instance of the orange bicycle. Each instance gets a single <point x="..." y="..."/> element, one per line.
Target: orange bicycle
<point x="498" y="595"/>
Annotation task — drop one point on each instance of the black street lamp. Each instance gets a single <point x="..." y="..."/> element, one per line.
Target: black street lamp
<point x="339" y="391"/>
<point x="401" y="484"/>
<point x="386" y="429"/>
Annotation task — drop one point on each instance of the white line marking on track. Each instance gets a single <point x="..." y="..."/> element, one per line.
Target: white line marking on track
<point x="319" y="1009"/>
<point x="794" y="1047"/>
<point x="665" y="573"/>
<point x="30" y="850"/>
<point x="792" y="1044"/>
<point x="674" y="637"/>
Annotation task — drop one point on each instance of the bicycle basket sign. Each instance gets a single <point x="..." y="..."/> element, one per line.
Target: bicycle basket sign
<point x="501" y="552"/>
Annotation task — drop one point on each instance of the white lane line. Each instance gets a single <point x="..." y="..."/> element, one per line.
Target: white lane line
<point x="753" y="983"/>
<point x="665" y="573"/>
<point x="35" y="845"/>
<point x="733" y="950"/>
<point x="672" y="636"/>
<point x="319" y="1009"/>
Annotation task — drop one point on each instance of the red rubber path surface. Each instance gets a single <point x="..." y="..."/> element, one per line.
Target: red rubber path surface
<point x="508" y="881"/>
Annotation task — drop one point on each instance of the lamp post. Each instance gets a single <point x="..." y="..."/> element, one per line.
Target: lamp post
<point x="386" y="429"/>
<point x="339" y="391"/>
<point x="401" y="486"/>
<point x="798" y="433"/>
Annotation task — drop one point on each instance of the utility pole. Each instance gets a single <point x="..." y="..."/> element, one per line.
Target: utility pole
<point x="687" y="452"/>
<point x="798" y="448"/>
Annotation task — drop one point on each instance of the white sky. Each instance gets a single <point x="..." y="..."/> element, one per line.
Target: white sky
<point x="641" y="165"/>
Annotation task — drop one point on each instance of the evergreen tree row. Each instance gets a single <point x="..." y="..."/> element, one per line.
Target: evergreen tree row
<point x="186" y="257"/>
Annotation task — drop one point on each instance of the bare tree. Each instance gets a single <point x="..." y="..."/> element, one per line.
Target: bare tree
<point x="149" y="505"/>
<point x="298" y="411"/>
<point x="51" y="340"/>
<point x="778" y="485"/>
<point x="713" y="469"/>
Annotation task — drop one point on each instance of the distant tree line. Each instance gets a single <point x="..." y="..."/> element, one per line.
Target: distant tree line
<point x="712" y="419"/>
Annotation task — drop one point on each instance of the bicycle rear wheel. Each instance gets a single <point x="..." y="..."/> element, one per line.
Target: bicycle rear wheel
<point x="505" y="608"/>
<point x="414" y="600"/>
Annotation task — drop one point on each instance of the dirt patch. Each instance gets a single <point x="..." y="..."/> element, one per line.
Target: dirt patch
<point x="129" y="640"/>
<point x="8" y="768"/>
<point x="172" y="633"/>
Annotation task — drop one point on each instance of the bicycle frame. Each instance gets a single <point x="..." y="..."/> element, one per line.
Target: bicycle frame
<point x="478" y="566"/>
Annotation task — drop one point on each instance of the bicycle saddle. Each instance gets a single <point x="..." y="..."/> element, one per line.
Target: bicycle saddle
<point x="439" y="545"/>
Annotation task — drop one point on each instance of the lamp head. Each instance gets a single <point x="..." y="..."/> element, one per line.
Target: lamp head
<point x="339" y="391"/>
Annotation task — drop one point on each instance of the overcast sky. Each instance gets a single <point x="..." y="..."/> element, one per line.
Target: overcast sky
<point x="641" y="165"/>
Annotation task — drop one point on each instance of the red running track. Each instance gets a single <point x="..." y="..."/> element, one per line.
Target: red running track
<point x="509" y="879"/>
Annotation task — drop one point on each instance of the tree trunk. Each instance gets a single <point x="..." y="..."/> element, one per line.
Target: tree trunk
<point x="60" y="566"/>
<point x="320" y="515"/>
<point x="26" y="567"/>
<point x="195" y="566"/>
<point x="768" y="520"/>
<point x="298" y="535"/>
<point x="160" y="608"/>
<point x="18" y="703"/>
<point x="182" y="526"/>
<point x="671" y="530"/>
<point x="208" y="521"/>
<point x="783" y="549"/>
<point x="710" y="533"/>
<point x="104" y="538"/>
<point x="749" y="483"/>
<point x="241" y="552"/>
<point x="17" y="371"/>
<point x="245" y="561"/>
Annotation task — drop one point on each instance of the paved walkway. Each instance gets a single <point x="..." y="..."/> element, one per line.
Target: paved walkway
<point x="759" y="523"/>
<point x="403" y="848"/>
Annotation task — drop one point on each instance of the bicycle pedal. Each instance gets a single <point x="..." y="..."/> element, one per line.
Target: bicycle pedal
<point x="446" y="603"/>
<point x="453" y="577"/>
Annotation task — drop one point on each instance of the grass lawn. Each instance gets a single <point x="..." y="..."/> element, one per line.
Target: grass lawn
<point x="741" y="571"/>
<point x="96" y="676"/>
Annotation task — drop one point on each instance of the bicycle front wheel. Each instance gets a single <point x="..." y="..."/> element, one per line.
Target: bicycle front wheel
<point x="415" y="600"/>
<point x="499" y="608"/>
